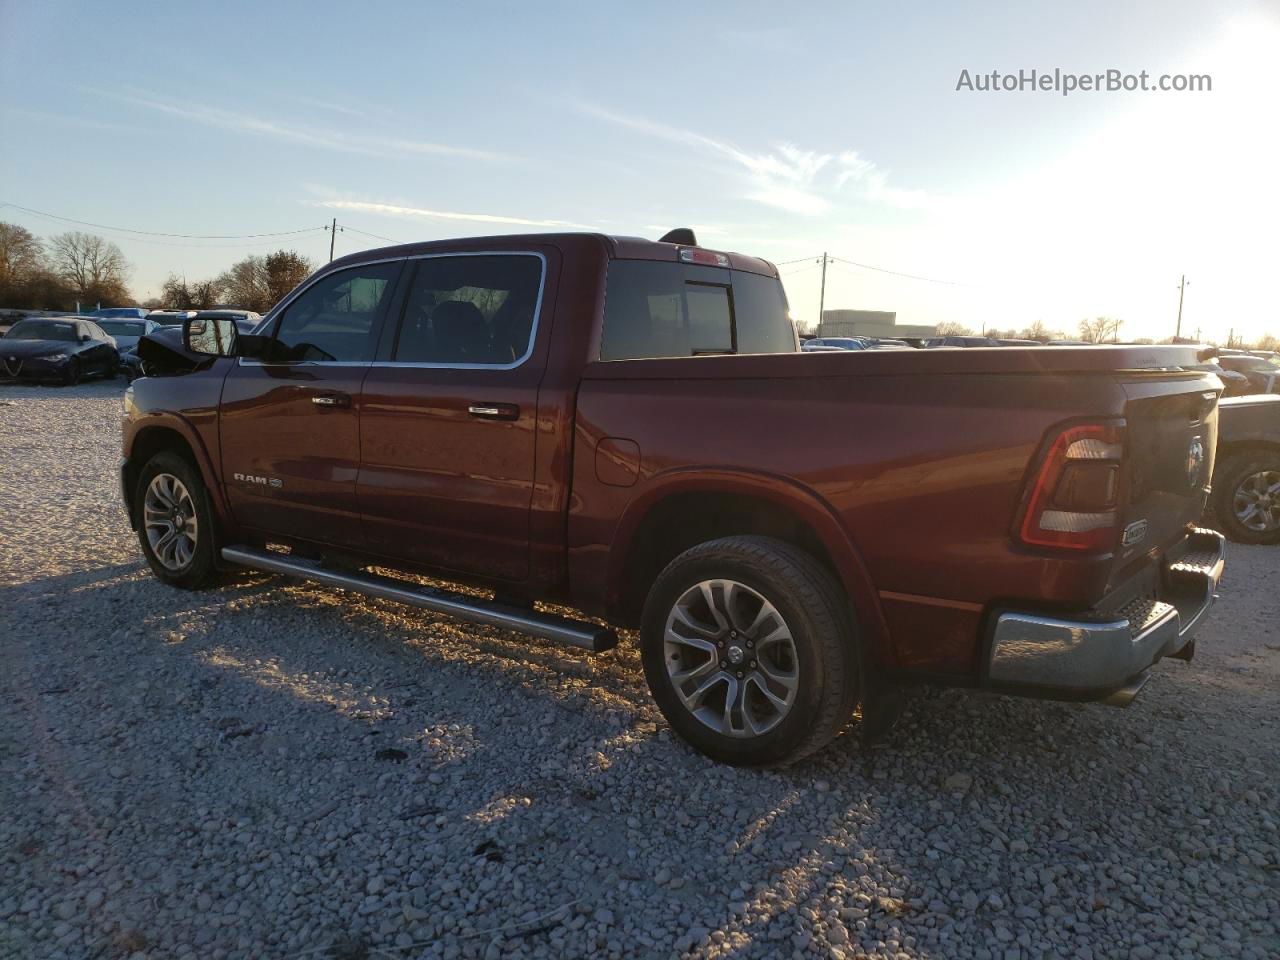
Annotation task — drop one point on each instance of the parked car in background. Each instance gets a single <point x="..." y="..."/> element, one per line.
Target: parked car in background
<point x="577" y="419"/>
<point x="886" y="343"/>
<point x="1245" y="503"/>
<point x="1011" y="342"/>
<point x="933" y="342"/>
<point x="1069" y="343"/>
<point x="1262" y="374"/>
<point x="170" y="317"/>
<point x="833" y="343"/>
<point x="119" y="313"/>
<point x="126" y="332"/>
<point x="131" y="365"/>
<point x="63" y="350"/>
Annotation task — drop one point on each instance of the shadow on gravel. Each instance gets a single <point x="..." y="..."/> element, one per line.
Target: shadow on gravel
<point x="340" y="732"/>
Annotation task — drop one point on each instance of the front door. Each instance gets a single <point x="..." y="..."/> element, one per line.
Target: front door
<point x="448" y="418"/>
<point x="290" y="426"/>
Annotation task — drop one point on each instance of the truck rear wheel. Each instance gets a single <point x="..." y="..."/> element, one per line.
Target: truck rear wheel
<point x="175" y="522"/>
<point x="748" y="649"/>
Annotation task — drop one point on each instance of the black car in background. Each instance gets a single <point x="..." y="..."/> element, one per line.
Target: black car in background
<point x="61" y="350"/>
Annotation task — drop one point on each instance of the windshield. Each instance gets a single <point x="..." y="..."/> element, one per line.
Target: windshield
<point x="116" y="312"/>
<point x="123" y="328"/>
<point x="42" y="330"/>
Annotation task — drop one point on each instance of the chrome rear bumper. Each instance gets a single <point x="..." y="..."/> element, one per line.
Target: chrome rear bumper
<point x="1104" y="658"/>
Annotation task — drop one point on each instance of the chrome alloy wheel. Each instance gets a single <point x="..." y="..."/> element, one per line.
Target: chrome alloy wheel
<point x="730" y="658"/>
<point x="1256" y="502"/>
<point x="169" y="516"/>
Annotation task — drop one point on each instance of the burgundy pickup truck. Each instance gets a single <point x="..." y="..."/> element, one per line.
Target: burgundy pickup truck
<point x="627" y="428"/>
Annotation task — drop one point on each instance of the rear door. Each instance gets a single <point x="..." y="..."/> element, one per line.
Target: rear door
<point x="290" y="422"/>
<point x="449" y="415"/>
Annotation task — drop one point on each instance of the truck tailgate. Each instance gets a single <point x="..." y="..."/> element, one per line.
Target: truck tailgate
<point x="1172" y="433"/>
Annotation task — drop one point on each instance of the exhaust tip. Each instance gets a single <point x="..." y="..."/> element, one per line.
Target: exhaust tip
<point x="1128" y="693"/>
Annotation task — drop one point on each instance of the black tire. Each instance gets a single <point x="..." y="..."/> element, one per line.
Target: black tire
<point x="1235" y="472"/>
<point x="199" y="569"/>
<point x="113" y="368"/>
<point x="822" y="653"/>
<point x="73" y="373"/>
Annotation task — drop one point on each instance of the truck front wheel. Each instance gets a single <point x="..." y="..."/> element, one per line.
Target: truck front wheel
<point x="748" y="649"/>
<point x="175" y="522"/>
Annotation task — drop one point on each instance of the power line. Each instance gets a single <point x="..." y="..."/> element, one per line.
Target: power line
<point x="814" y="258"/>
<point x="376" y="236"/>
<point x="898" y="273"/>
<point x="795" y="273"/>
<point x="155" y="233"/>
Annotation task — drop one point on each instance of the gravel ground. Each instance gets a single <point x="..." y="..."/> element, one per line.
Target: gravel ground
<point x="280" y="770"/>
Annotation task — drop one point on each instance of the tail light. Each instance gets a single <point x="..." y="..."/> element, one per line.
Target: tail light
<point x="1074" y="495"/>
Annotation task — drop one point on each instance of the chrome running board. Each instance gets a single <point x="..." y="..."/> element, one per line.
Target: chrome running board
<point x="575" y="633"/>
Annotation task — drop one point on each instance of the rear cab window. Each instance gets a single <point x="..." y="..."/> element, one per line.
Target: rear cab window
<point x="656" y="309"/>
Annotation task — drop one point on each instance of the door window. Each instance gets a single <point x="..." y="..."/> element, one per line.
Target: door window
<point x="336" y="318"/>
<point x="464" y="310"/>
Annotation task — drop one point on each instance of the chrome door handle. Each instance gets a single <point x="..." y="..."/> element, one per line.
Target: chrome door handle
<point x="494" y="411"/>
<point x="331" y="400"/>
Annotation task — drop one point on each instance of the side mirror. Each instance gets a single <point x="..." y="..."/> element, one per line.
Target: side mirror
<point x="212" y="336"/>
<point x="84" y="338"/>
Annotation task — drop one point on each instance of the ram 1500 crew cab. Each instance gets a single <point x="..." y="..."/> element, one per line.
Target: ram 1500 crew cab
<point x="627" y="428"/>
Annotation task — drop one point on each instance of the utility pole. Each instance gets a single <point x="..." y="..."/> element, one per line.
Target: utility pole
<point x="333" y="235"/>
<point x="822" y="291"/>
<point x="1182" y="289"/>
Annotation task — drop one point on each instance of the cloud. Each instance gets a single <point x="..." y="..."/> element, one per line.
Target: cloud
<point x="786" y="177"/>
<point x="395" y="210"/>
<point x="289" y="133"/>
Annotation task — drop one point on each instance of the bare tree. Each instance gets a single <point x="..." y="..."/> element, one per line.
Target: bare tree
<point x="178" y="294"/>
<point x="94" y="268"/>
<point x="21" y="254"/>
<point x="950" y="328"/>
<point x="1099" y="329"/>
<point x="1038" y="331"/>
<point x="245" y="285"/>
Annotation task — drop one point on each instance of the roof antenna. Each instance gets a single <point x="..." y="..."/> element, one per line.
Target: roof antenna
<point x="681" y="235"/>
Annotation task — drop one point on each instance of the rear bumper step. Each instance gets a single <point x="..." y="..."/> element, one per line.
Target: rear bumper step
<point x="1105" y="657"/>
<point x="575" y="633"/>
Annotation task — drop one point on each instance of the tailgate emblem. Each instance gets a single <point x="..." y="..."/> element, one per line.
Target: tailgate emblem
<point x="1195" y="462"/>
<point x="1134" y="533"/>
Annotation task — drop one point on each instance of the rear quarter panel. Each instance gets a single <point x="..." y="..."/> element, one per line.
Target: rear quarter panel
<point x="921" y="474"/>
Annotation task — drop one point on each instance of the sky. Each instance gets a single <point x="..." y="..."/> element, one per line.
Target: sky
<point x="779" y="130"/>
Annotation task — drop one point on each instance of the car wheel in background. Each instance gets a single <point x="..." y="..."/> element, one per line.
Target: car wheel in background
<point x="175" y="522"/>
<point x="748" y="649"/>
<point x="73" y="373"/>
<point x="1245" y="503"/>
